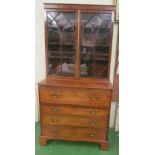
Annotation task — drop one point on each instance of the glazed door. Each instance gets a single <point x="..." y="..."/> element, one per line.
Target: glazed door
<point x="61" y="33"/>
<point x="95" y="44"/>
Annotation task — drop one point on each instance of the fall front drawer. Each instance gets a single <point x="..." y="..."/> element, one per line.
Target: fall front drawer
<point x="72" y="96"/>
<point x="75" y="121"/>
<point x="73" y="110"/>
<point x="60" y="132"/>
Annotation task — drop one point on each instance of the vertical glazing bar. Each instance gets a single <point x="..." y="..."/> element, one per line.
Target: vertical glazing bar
<point x="61" y="52"/>
<point x="78" y="44"/>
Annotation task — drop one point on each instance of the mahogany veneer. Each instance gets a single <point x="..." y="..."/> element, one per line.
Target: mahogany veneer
<point x="75" y="96"/>
<point x="72" y="110"/>
<point x="75" y="121"/>
<point x="76" y="114"/>
<point x="74" y="133"/>
<point x="76" y="108"/>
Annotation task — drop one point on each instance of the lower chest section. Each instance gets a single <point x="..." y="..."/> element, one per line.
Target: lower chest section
<point x="76" y="114"/>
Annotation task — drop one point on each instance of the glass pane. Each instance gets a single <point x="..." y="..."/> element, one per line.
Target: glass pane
<point x="61" y="43"/>
<point x="95" y="45"/>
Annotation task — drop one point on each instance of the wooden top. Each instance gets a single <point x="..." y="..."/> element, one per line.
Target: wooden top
<point x="93" y="84"/>
<point x="80" y="6"/>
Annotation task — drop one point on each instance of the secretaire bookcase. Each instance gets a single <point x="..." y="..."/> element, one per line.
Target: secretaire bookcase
<point x="76" y="95"/>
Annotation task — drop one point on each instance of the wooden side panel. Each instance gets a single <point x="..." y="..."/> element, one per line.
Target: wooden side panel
<point x="115" y="96"/>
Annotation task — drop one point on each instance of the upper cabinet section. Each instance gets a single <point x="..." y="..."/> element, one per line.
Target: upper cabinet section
<point x="61" y="43"/>
<point x="78" y="40"/>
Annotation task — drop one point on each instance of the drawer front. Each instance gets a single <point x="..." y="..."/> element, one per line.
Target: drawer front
<point x="74" y="133"/>
<point x="75" y="121"/>
<point x="75" y="96"/>
<point x="51" y="109"/>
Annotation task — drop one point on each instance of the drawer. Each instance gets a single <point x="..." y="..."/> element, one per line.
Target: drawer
<point x="75" y="133"/>
<point x="71" y="110"/>
<point x="75" y="121"/>
<point x="72" y="96"/>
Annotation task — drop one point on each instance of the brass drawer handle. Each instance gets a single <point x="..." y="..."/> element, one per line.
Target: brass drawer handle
<point x="92" y="134"/>
<point x="55" y="109"/>
<point x="55" y="95"/>
<point x="94" y="98"/>
<point x="55" y="120"/>
<point x="97" y="97"/>
<point x="92" y="123"/>
<point x="93" y="112"/>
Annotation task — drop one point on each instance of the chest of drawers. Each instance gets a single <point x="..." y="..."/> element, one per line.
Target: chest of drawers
<point x="75" y="111"/>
